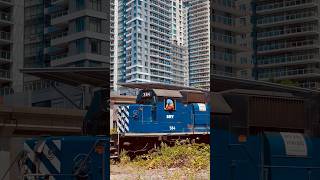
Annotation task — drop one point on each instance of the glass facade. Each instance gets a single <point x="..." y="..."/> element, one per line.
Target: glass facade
<point x="148" y="49"/>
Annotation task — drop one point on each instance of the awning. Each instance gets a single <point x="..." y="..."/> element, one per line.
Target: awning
<point x="222" y="83"/>
<point x="167" y="93"/>
<point x="119" y="99"/>
<point x="258" y="93"/>
<point x="75" y="76"/>
<point x="157" y="86"/>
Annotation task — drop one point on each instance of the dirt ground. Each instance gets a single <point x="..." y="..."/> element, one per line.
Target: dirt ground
<point x="132" y="173"/>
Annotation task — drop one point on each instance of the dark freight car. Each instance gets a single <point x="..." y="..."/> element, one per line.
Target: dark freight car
<point x="261" y="111"/>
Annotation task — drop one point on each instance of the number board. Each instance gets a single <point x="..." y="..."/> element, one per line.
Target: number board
<point x="295" y="144"/>
<point x="146" y="94"/>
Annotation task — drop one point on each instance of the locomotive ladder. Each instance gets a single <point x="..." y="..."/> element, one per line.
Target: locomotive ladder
<point x="114" y="138"/>
<point x="114" y="147"/>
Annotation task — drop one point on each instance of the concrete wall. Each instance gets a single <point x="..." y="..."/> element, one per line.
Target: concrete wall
<point x="18" y="45"/>
<point x="9" y="149"/>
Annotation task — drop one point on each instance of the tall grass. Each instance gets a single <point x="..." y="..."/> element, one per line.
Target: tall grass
<point x="184" y="155"/>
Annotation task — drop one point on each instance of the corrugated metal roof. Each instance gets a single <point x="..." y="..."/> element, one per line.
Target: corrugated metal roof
<point x="75" y="76"/>
<point x="154" y="85"/>
<point x="192" y="91"/>
<point x="258" y="93"/>
<point x="167" y="93"/>
<point x="221" y="83"/>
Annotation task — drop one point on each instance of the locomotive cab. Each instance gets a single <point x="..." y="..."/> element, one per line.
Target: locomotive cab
<point x="146" y="97"/>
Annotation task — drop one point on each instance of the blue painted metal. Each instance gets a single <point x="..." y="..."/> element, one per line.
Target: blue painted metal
<point x="151" y="117"/>
<point x="60" y="158"/>
<point x="261" y="157"/>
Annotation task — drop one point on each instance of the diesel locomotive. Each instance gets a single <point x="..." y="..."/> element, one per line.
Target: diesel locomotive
<point x="162" y="115"/>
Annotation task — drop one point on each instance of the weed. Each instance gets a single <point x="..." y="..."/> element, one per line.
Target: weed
<point x="192" y="156"/>
<point x="184" y="160"/>
<point x="124" y="158"/>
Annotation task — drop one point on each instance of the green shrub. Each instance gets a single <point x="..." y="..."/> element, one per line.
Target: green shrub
<point x="183" y="155"/>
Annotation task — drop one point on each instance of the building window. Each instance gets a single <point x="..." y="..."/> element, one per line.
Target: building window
<point x="80" y="24"/>
<point x="80" y="46"/>
<point x="95" y="4"/>
<point x="95" y="46"/>
<point x="243" y="21"/>
<point x="80" y="4"/>
<point x="95" y="25"/>
<point x="94" y="64"/>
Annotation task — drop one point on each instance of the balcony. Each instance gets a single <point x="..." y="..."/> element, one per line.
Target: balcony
<point x="51" y="29"/>
<point x="288" y="60"/>
<point x="290" y="74"/>
<point x="5" y="19"/>
<point x="5" y="37"/>
<point x="59" y="2"/>
<point x="288" y="32"/>
<point x="5" y="57"/>
<point x="202" y="79"/>
<point x="303" y="16"/>
<point x="63" y="58"/>
<point x="310" y="85"/>
<point x="288" y="5"/>
<point x="4" y="76"/>
<point x="288" y="46"/>
<point x="54" y="9"/>
<point x="223" y="59"/>
<point x="59" y="35"/>
<point x="58" y="57"/>
<point x="54" y="50"/>
<point x="4" y="91"/>
<point x="227" y="6"/>
<point x="228" y="42"/>
<point x="6" y="3"/>
<point x="59" y="14"/>
<point x="229" y="24"/>
<point x="224" y="38"/>
<point x="198" y="6"/>
<point x="224" y="73"/>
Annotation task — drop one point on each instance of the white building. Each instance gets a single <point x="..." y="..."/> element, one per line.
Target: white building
<point x="152" y="42"/>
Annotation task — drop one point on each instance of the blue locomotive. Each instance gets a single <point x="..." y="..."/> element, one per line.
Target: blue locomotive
<point x="162" y="115"/>
<point x="166" y="112"/>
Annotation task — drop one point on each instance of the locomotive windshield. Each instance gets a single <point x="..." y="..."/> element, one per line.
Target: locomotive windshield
<point x="169" y="104"/>
<point x="150" y="100"/>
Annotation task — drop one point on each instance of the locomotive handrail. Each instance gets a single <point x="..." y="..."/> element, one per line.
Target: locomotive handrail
<point x="295" y="167"/>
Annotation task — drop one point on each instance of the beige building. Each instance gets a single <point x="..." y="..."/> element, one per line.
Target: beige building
<point x="288" y="41"/>
<point x="231" y="42"/>
<point x="199" y="42"/>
